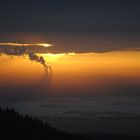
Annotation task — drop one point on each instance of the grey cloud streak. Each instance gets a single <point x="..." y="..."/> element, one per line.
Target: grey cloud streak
<point x="76" y="42"/>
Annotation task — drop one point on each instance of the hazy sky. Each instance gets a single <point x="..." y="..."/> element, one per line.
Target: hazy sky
<point x="72" y="25"/>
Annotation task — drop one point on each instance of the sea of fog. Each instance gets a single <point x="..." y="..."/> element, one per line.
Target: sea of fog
<point x="81" y="93"/>
<point x="110" y="114"/>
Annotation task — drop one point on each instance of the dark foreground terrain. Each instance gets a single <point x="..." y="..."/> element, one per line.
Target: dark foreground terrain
<point x="14" y="126"/>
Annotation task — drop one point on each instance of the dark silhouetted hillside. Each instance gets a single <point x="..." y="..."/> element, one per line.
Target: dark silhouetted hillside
<point x="14" y="126"/>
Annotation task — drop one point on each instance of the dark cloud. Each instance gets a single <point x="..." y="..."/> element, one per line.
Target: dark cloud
<point x="63" y="20"/>
<point x="65" y="42"/>
<point x="70" y="16"/>
<point x="41" y="60"/>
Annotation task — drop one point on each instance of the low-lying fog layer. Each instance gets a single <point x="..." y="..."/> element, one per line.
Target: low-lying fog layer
<point x="76" y="114"/>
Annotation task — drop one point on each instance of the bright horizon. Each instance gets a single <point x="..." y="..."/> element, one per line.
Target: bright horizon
<point x="74" y="71"/>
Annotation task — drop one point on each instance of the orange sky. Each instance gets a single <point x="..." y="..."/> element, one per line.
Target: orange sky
<point x="73" y="71"/>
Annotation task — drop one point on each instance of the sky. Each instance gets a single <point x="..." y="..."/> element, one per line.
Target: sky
<point x="90" y="45"/>
<point x="74" y="49"/>
<point x="72" y="26"/>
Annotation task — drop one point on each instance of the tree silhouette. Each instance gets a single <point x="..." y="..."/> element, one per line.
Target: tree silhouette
<point x="14" y="126"/>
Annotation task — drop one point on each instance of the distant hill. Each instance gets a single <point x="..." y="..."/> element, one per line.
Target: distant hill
<point x="14" y="126"/>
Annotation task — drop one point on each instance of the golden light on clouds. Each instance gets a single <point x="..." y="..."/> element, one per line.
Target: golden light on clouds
<point x="44" y="44"/>
<point x="22" y="44"/>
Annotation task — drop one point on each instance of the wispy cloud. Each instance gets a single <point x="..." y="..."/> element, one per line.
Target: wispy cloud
<point x="21" y="44"/>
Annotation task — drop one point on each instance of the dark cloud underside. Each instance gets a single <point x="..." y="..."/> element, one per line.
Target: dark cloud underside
<point x="72" y="18"/>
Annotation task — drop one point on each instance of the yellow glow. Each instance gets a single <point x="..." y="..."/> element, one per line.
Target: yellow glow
<point x="53" y="57"/>
<point x="44" y="44"/>
<point x="111" y="64"/>
<point x="20" y="44"/>
<point x="74" y="71"/>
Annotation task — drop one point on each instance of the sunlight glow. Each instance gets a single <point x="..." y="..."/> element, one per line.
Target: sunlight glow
<point x="52" y="56"/>
<point x="20" y="44"/>
<point x="74" y="70"/>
